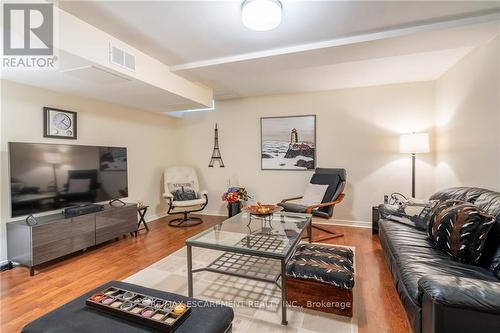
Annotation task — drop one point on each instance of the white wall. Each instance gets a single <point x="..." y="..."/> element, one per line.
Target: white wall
<point x="147" y="136"/>
<point x="468" y="121"/>
<point x="357" y="129"/>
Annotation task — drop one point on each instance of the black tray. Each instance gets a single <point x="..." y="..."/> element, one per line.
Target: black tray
<point x="157" y="319"/>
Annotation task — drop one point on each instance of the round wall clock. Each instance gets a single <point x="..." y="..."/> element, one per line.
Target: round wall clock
<point x="59" y="123"/>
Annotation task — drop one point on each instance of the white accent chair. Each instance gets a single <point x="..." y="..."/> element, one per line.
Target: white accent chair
<point x="184" y="174"/>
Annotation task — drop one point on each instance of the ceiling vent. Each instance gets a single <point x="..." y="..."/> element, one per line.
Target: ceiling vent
<point x="121" y="58"/>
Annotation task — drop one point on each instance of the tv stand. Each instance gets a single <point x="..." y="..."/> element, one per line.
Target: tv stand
<point x="55" y="235"/>
<point x="112" y="203"/>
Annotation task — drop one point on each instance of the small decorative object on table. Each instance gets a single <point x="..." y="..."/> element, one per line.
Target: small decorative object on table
<point x="148" y="311"/>
<point x="263" y="212"/>
<point x="234" y="196"/>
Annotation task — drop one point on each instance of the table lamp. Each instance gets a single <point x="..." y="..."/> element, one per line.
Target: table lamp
<point x="414" y="144"/>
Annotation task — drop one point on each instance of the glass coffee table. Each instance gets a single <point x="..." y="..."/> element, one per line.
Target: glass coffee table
<point x="250" y="245"/>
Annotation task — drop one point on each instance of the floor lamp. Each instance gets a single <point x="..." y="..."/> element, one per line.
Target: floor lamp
<point x="414" y="143"/>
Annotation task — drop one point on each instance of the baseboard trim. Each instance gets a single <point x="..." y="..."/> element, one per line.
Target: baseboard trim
<point x="212" y="213"/>
<point x="344" y="223"/>
<point x="151" y="218"/>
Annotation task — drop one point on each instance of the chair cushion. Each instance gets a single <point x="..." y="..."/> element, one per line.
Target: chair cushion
<point x="331" y="180"/>
<point x="293" y="207"/>
<point x="188" y="203"/>
<point x="327" y="264"/>
<point x="314" y="194"/>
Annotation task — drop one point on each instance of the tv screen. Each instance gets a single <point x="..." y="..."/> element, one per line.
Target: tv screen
<point x="46" y="177"/>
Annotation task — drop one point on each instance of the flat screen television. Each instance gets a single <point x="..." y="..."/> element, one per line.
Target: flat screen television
<point x="46" y="177"/>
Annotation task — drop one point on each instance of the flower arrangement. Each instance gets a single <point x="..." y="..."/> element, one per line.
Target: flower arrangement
<point x="235" y="194"/>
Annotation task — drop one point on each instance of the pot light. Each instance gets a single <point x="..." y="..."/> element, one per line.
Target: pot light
<point x="261" y="15"/>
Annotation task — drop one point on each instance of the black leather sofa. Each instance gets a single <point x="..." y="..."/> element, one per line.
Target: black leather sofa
<point x="440" y="294"/>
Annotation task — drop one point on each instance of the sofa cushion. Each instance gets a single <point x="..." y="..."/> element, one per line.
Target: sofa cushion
<point x="488" y="201"/>
<point x="469" y="194"/>
<point x="460" y="229"/>
<point x="415" y="257"/>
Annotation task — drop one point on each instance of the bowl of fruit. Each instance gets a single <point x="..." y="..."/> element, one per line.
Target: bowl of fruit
<point x="262" y="210"/>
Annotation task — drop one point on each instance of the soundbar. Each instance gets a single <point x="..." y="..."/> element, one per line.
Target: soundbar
<point x="82" y="209"/>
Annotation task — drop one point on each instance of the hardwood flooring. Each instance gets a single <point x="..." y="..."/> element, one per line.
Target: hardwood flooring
<point x="24" y="298"/>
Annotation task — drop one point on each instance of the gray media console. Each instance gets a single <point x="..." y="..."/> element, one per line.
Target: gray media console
<point x="55" y="236"/>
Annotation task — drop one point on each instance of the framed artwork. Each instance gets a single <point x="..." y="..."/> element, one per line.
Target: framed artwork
<point x="288" y="143"/>
<point x="60" y="124"/>
<point x="112" y="159"/>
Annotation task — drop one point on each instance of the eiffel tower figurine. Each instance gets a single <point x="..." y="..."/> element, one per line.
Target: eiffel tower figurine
<point x="216" y="154"/>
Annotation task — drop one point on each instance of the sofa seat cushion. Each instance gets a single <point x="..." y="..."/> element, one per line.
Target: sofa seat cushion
<point x="327" y="264"/>
<point x="416" y="257"/>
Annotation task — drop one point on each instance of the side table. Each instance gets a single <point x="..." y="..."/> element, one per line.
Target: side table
<point x="142" y="210"/>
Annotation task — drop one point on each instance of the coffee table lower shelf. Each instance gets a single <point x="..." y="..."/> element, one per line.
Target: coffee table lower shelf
<point x="245" y="266"/>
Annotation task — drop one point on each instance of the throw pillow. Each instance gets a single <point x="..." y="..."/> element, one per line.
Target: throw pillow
<point x="182" y="191"/>
<point x="413" y="212"/>
<point x="184" y="194"/>
<point x="79" y="185"/>
<point x="460" y="229"/>
<point x="314" y="194"/>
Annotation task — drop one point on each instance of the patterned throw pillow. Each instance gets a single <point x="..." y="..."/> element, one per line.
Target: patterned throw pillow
<point x="460" y="229"/>
<point x="182" y="191"/>
<point x="413" y="212"/>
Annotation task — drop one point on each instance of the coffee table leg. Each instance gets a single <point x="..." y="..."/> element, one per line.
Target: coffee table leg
<point x="283" y="293"/>
<point x="190" y="271"/>
<point x="309" y="231"/>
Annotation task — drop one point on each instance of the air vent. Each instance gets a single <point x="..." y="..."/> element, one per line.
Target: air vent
<point x="121" y="58"/>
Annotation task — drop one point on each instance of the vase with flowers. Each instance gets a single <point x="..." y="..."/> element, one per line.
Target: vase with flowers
<point x="234" y="196"/>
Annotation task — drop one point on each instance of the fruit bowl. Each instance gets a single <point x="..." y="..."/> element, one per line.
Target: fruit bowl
<point x="260" y="209"/>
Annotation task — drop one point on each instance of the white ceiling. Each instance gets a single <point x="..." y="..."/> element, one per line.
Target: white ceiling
<point x="94" y="82"/>
<point x="320" y="45"/>
<point x="205" y="41"/>
<point x="177" y="32"/>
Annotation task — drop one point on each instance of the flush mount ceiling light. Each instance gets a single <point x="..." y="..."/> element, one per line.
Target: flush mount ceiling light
<point x="261" y="15"/>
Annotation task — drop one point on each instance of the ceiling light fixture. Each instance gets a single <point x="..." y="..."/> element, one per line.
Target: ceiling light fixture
<point x="261" y="15"/>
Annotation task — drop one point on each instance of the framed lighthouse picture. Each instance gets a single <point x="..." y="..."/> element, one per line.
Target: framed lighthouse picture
<point x="288" y="143"/>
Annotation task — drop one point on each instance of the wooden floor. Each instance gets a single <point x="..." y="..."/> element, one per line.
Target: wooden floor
<point x="24" y="298"/>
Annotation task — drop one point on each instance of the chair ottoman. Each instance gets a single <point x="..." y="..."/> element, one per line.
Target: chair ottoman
<point x="75" y="316"/>
<point x="321" y="278"/>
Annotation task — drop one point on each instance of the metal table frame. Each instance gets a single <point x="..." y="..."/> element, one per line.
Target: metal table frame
<point x="283" y="261"/>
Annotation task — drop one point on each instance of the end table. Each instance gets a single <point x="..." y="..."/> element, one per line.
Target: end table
<point x="142" y="210"/>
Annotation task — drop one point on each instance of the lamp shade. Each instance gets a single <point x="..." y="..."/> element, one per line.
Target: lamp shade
<point x="414" y="143"/>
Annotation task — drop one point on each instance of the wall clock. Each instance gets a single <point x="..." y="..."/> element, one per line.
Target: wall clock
<point x="59" y="123"/>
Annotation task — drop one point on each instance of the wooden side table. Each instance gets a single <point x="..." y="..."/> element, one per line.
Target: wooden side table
<point x="142" y="210"/>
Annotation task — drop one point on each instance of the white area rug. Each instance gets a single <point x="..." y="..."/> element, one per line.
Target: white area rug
<point x="256" y="304"/>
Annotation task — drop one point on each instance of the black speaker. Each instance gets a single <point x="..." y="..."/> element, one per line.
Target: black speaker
<point x="375" y="219"/>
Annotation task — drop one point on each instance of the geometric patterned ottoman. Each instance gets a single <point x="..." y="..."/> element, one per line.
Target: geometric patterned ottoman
<point x="321" y="278"/>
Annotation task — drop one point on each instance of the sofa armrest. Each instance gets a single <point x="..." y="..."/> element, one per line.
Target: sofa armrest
<point x="168" y="195"/>
<point x="464" y="293"/>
